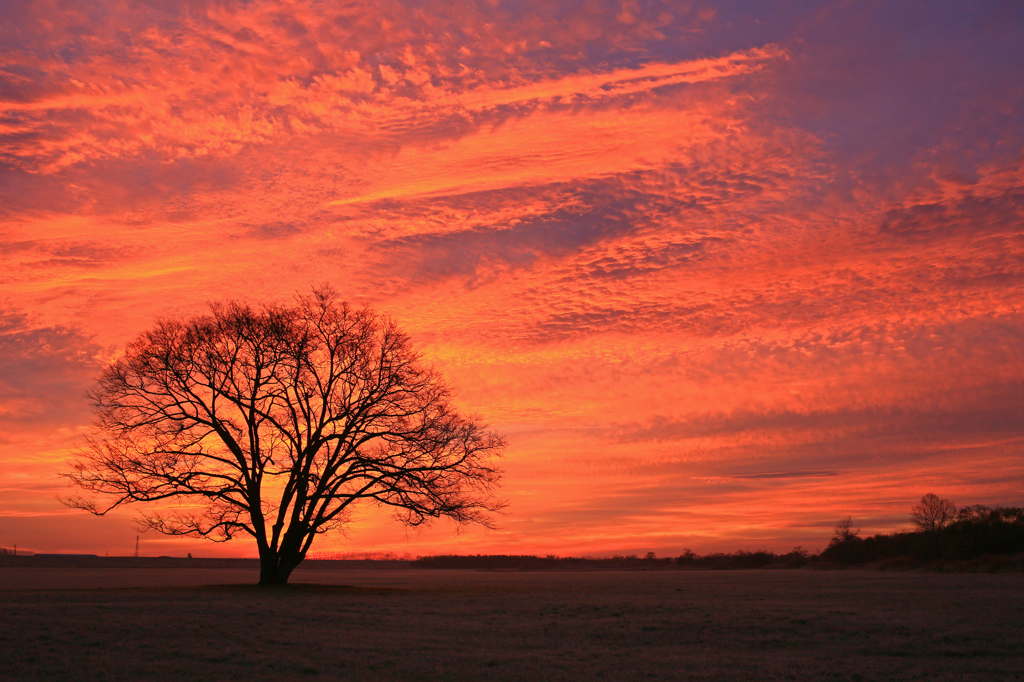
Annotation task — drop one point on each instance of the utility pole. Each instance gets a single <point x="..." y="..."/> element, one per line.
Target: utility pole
<point x="136" y="546"/>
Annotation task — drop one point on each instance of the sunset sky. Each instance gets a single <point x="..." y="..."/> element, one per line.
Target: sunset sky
<point x="722" y="272"/>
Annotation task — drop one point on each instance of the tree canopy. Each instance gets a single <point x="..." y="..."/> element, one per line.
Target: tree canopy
<point x="844" y="531"/>
<point x="932" y="512"/>
<point x="272" y="422"/>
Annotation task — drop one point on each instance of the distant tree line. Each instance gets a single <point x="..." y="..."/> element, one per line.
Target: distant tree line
<point x="796" y="558"/>
<point x="941" y="533"/>
<point x="527" y="562"/>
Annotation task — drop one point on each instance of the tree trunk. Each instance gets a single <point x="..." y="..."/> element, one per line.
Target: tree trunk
<point x="276" y="568"/>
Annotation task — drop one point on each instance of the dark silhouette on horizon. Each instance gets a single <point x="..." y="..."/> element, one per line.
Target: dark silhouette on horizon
<point x="844" y="529"/>
<point x="943" y="534"/>
<point x="932" y="513"/>
<point x="274" y="421"/>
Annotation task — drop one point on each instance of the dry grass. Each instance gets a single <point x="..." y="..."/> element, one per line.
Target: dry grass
<point x="130" y="624"/>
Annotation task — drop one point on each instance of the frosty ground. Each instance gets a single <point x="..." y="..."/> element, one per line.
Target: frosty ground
<point x="212" y="624"/>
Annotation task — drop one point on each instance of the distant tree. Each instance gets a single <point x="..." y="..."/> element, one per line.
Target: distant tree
<point x="932" y="513"/>
<point x="843" y="531"/>
<point x="797" y="557"/>
<point x="273" y="422"/>
<point x="973" y="512"/>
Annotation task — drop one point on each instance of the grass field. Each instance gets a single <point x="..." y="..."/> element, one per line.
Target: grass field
<point x="207" y="624"/>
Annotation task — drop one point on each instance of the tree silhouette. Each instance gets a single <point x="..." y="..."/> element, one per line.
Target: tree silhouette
<point x="272" y="422"/>
<point x="932" y="512"/>
<point x="843" y="531"/>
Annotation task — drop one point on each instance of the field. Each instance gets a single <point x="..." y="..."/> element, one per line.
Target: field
<point x="207" y="624"/>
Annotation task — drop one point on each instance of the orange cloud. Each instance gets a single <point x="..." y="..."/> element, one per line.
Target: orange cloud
<point x="721" y="277"/>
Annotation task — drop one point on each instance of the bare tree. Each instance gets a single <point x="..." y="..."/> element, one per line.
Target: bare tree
<point x="932" y="512"/>
<point x="272" y="422"/>
<point x="844" y="531"/>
